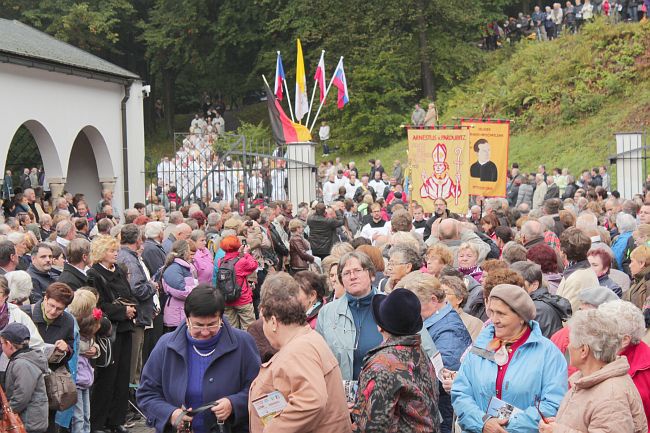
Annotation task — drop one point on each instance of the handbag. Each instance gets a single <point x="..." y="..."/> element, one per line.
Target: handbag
<point x="10" y="422"/>
<point x="61" y="389"/>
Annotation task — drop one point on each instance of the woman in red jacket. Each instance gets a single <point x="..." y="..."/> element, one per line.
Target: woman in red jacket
<point x="240" y="312"/>
<point x="631" y="329"/>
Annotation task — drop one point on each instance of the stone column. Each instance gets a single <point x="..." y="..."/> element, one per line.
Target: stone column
<point x="108" y="183"/>
<point x="57" y="185"/>
<point x="301" y="172"/>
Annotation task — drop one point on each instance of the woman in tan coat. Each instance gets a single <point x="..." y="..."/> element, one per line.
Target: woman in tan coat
<point x="304" y="371"/>
<point x="602" y="397"/>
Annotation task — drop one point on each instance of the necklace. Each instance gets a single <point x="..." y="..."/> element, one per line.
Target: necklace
<point x="205" y="355"/>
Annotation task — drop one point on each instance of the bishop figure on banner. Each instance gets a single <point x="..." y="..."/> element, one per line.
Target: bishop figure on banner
<point x="439" y="184"/>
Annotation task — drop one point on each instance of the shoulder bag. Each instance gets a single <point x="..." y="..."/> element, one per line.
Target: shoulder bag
<point x="10" y="422"/>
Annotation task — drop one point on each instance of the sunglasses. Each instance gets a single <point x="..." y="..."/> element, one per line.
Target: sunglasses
<point x="538" y="400"/>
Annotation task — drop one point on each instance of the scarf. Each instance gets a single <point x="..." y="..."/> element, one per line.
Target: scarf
<point x="4" y="316"/>
<point x="497" y="343"/>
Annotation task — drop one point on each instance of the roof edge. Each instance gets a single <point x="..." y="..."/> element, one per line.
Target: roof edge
<point x="64" y="68"/>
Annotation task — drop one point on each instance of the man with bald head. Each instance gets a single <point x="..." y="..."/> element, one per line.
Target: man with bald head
<point x="181" y="232"/>
<point x="453" y="233"/>
<point x="532" y="233"/>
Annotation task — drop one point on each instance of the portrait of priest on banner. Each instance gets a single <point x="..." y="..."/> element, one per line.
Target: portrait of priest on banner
<point x="483" y="169"/>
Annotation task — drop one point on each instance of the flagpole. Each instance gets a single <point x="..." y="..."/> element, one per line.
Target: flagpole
<point x="313" y="92"/>
<point x="286" y="89"/>
<point x="320" y="106"/>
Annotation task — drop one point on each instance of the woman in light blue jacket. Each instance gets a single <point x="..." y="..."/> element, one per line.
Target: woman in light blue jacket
<point x="512" y="361"/>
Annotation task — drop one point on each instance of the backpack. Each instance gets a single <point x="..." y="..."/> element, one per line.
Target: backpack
<point x="227" y="281"/>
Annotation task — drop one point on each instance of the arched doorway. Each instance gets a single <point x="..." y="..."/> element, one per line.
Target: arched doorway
<point x="31" y="147"/>
<point x="90" y="165"/>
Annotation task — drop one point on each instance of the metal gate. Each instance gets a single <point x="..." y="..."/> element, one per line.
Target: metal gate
<point x="233" y="168"/>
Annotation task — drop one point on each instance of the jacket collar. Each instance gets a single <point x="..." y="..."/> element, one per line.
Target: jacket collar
<point x="393" y="341"/>
<point x="487" y="334"/>
<point x="129" y="251"/>
<point x="437" y="316"/>
<point x="227" y="343"/>
<point x="638" y="355"/>
<point x="618" y="367"/>
<point x="74" y="271"/>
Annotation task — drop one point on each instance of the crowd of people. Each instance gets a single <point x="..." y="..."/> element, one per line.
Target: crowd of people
<point x="553" y="20"/>
<point x="355" y="313"/>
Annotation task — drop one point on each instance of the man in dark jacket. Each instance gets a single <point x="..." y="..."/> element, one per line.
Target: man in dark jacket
<point x="40" y="271"/>
<point x="24" y="383"/>
<point x="153" y="254"/>
<point x="322" y="230"/>
<point x="571" y="188"/>
<point x="143" y="290"/>
<point x="74" y="270"/>
<point x="552" y="310"/>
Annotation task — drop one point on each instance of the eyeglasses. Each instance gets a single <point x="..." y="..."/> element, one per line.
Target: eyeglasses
<point x="392" y="264"/>
<point x="199" y="327"/>
<point x="352" y="272"/>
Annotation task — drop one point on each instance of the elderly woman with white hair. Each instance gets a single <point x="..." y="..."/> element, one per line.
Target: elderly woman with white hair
<point x="602" y="396"/>
<point x="631" y="329"/>
<point x="20" y="287"/>
<point x="626" y="225"/>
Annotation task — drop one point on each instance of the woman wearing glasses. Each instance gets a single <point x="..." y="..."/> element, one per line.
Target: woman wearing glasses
<point x="347" y="324"/>
<point x="205" y="365"/>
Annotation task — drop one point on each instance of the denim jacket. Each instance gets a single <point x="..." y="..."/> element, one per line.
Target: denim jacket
<point x="336" y="325"/>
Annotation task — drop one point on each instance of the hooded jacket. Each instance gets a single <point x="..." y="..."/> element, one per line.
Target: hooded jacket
<point x="537" y="370"/>
<point x="606" y="400"/>
<point x="25" y="388"/>
<point x="552" y="311"/>
<point x="179" y="279"/>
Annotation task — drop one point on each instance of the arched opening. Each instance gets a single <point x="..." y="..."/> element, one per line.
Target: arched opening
<point x="89" y="163"/>
<point x="31" y="148"/>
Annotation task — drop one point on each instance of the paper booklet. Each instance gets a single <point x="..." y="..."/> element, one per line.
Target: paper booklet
<point x="269" y="406"/>
<point x="350" y="387"/>
<point x="500" y="409"/>
<point x="438" y="365"/>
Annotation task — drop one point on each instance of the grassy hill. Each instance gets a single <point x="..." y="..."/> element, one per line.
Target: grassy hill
<point x="566" y="98"/>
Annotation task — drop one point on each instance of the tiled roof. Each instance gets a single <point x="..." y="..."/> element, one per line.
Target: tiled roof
<point x="22" y="40"/>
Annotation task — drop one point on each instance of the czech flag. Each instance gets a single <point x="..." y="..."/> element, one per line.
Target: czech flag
<point x="284" y="130"/>
<point x="279" y="77"/>
<point x="341" y="84"/>
<point x="320" y="76"/>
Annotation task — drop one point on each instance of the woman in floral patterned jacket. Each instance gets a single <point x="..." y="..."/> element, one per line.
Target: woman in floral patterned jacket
<point x="397" y="388"/>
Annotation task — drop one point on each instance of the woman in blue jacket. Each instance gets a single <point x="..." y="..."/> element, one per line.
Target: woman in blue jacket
<point x="513" y="362"/>
<point x="205" y="362"/>
<point x="446" y="328"/>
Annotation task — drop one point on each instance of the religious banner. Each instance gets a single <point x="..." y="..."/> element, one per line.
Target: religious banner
<point x="439" y="167"/>
<point x="488" y="156"/>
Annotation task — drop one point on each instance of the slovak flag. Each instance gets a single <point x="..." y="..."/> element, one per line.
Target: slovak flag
<point x="341" y="84"/>
<point x="319" y="77"/>
<point x="279" y="77"/>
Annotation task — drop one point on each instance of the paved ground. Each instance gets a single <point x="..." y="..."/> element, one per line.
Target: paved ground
<point x="140" y="427"/>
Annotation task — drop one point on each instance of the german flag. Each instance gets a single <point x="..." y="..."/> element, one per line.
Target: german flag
<point x="284" y="130"/>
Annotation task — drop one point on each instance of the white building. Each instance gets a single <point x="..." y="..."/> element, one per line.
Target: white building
<point x="85" y="114"/>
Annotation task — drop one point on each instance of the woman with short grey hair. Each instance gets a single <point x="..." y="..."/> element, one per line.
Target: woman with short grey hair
<point x="603" y="396"/>
<point x="631" y="329"/>
<point x="403" y="259"/>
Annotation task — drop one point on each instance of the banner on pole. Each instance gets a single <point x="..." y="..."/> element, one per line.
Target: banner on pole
<point x="439" y="164"/>
<point x="488" y="156"/>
